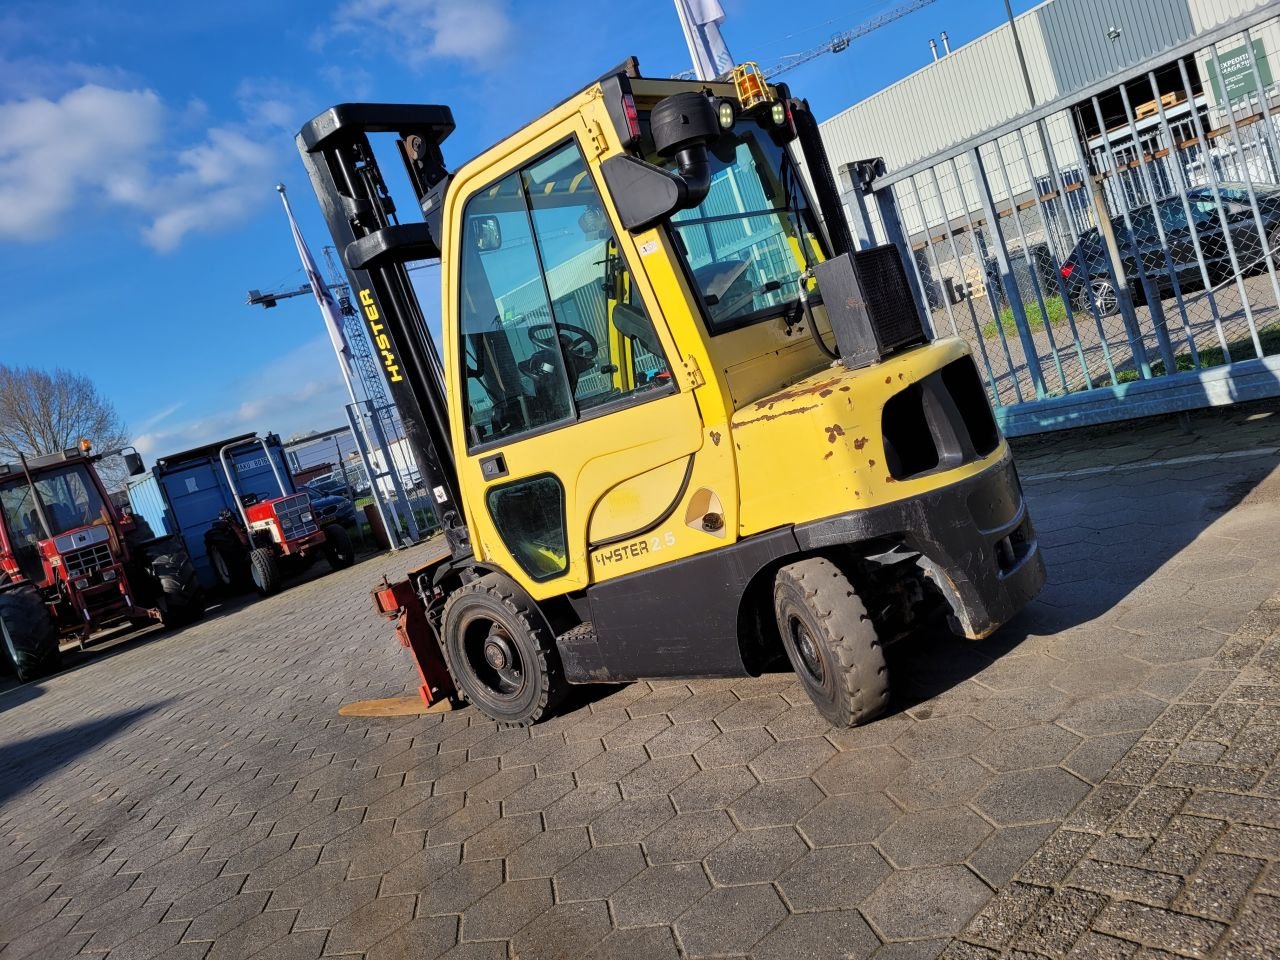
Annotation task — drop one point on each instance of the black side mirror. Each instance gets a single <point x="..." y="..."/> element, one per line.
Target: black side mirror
<point x="133" y="463"/>
<point x="682" y="125"/>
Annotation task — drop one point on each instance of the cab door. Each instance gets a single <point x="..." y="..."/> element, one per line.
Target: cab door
<point x="577" y="439"/>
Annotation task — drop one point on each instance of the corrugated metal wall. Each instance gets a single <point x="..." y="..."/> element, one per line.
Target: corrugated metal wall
<point x="979" y="85"/>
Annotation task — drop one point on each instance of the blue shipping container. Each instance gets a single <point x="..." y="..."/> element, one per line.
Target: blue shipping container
<point x="185" y="492"/>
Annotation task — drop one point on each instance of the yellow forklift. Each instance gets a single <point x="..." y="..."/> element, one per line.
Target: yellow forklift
<point x="679" y="426"/>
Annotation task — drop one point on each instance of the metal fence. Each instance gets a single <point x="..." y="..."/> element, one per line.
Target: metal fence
<point x="1128" y="237"/>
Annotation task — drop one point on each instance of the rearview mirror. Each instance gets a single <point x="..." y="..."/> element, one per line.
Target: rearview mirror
<point x="133" y="462"/>
<point x="486" y="232"/>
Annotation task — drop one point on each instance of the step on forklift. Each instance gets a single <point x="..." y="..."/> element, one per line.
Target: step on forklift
<point x="682" y="427"/>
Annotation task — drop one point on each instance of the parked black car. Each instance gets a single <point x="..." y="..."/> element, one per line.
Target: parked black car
<point x="329" y="508"/>
<point x="1085" y="270"/>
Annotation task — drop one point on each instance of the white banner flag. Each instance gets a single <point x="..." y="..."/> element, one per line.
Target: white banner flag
<point x="328" y="306"/>
<point x="700" y="20"/>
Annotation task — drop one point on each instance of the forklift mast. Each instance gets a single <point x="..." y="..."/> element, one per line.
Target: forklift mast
<point x="375" y="247"/>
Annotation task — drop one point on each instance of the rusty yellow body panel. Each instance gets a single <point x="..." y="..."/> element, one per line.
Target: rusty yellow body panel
<point x="815" y="449"/>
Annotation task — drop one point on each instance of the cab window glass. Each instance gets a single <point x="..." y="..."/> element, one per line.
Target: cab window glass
<point x="529" y="516"/>
<point x="514" y="372"/>
<point x="606" y="339"/>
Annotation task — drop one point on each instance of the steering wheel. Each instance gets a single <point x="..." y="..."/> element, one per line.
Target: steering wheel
<point x="574" y="341"/>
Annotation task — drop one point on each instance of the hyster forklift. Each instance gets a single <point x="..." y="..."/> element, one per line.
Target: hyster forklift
<point x="681" y="426"/>
<point x="72" y="564"/>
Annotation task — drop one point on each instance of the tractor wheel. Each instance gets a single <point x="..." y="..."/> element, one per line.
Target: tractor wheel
<point x="182" y="600"/>
<point x="265" y="570"/>
<point x="831" y="642"/>
<point x="228" y="567"/>
<point x="28" y="637"/>
<point x="337" y="547"/>
<point x="501" y="652"/>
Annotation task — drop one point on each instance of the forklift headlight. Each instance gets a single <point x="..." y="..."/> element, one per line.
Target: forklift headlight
<point x="779" y="114"/>
<point x="306" y="518"/>
<point x="82" y="584"/>
<point x="726" y="115"/>
<point x="108" y="574"/>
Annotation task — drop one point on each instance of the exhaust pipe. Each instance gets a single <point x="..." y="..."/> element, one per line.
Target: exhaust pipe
<point x="933" y="48"/>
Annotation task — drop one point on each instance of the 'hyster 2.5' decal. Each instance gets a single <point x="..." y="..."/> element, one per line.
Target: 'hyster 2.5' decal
<point x="380" y="339"/>
<point x="636" y="548"/>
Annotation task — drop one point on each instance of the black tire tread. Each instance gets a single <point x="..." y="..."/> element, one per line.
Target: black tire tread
<point x="863" y="678"/>
<point x="501" y="591"/>
<point x="266" y="570"/>
<point x="337" y="547"/>
<point x="34" y="635"/>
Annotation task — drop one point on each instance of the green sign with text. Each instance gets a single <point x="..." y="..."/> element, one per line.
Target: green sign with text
<point x="1234" y="69"/>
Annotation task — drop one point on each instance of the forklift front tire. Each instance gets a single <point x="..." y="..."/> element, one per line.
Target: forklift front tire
<point x="501" y="652"/>
<point x="226" y="569"/>
<point x="337" y="547"/>
<point x="265" y="571"/>
<point x="831" y="642"/>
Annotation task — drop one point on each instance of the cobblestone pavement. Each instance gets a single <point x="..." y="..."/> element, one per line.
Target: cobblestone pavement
<point x="1095" y="777"/>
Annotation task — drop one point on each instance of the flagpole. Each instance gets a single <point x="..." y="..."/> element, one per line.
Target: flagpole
<point x="393" y="533"/>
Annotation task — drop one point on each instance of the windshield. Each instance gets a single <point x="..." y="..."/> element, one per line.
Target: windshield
<point x="70" y="500"/>
<point x="753" y="235"/>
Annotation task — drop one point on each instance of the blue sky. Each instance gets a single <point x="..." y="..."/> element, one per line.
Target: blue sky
<point x="140" y="143"/>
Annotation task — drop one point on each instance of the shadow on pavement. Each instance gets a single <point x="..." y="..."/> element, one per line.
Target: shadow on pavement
<point x="28" y="761"/>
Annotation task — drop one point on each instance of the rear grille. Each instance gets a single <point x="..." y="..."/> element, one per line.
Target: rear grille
<point x="940" y="423"/>
<point x="890" y="306"/>
<point x="84" y="562"/>
<point x="290" y="511"/>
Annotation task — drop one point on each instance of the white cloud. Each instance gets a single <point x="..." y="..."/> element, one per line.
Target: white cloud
<point x="416" y="31"/>
<point x="96" y="145"/>
<point x="315" y="402"/>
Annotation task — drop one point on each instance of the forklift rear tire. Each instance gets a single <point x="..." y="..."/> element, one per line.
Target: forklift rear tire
<point x="337" y="547"/>
<point x="501" y="651"/>
<point x="28" y="637"/>
<point x="831" y="642"/>
<point x="265" y="570"/>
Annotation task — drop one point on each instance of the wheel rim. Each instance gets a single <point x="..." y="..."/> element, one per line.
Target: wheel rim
<point x="1104" y="296"/>
<point x="493" y="659"/>
<point x="804" y="645"/>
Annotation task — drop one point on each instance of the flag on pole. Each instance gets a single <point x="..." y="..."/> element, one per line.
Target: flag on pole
<point x="328" y="306"/>
<point x="701" y="21"/>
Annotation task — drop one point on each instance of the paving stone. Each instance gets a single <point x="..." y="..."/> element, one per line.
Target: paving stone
<point x="687" y="837"/>
<point x="333" y="904"/>
<point x="502" y="837"/>
<point x="1257" y="932"/>
<point x="454" y="890"/>
<point x="1126" y="882"/>
<point x="793" y="758"/>
<point x="541" y="794"/>
<point x="1111" y="713"/>
<point x="858" y="771"/>
<point x="658" y="777"/>
<point x="425" y="938"/>
<point x="1005" y="850"/>
<point x="682" y="739"/>
<point x="612" y="765"/>
<point x="252" y="938"/>
<point x="658" y="894"/>
<point x="755" y="856"/>
<point x="733" y="748"/>
<point x="598" y="872"/>
<point x="1004" y="915"/>
<point x="818" y="936"/>
<point x="1022" y="748"/>
<point x="933" y="837"/>
<point x="1031" y="796"/>
<point x="1060" y="923"/>
<point x="649" y="943"/>
<point x="1095" y="757"/>
<point x="506" y="909"/>
<point x="548" y="852"/>
<point x="1176" y="932"/>
<point x="849" y="818"/>
<point x="729" y="920"/>
<point x="942" y="738"/>
<point x="833" y="878"/>
<point x="713" y="789"/>
<point x="416" y="874"/>
<point x="579" y="806"/>
<point x="923" y="903"/>
<point x="632" y="820"/>
<point x="466" y="823"/>
<point x="565" y="932"/>
<point x="775" y="803"/>
<point x="1220" y="886"/>
<point x="939" y="783"/>
<point x="756" y="712"/>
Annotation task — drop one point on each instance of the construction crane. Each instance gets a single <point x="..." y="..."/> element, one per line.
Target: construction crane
<point x="838" y="43"/>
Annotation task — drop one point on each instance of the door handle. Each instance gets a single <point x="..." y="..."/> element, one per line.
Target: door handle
<point x="493" y="467"/>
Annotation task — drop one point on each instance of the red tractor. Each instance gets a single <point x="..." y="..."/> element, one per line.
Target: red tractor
<point x="72" y="564"/>
<point x="269" y="536"/>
